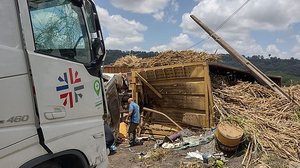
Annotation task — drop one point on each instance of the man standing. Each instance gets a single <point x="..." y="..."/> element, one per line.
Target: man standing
<point x="134" y="114"/>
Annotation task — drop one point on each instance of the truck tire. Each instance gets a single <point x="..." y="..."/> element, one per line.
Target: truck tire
<point x="48" y="164"/>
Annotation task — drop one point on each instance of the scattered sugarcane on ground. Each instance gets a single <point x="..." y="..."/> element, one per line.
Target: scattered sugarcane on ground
<point x="271" y="122"/>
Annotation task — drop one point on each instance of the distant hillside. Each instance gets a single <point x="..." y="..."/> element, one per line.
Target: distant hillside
<point x="113" y="55"/>
<point x="288" y="69"/>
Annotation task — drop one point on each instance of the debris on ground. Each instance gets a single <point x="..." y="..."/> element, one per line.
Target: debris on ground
<point x="158" y="130"/>
<point x="168" y="145"/>
<point x="192" y="141"/>
<point x="184" y="140"/>
<point x="216" y="160"/>
<point x="208" y="137"/>
<point x="154" y="155"/>
<point x="196" y="155"/>
<point x="191" y="164"/>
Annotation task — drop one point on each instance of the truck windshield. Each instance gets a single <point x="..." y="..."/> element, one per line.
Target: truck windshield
<point x="59" y="30"/>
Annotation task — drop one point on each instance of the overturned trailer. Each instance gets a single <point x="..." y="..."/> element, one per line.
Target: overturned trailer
<point x="182" y="92"/>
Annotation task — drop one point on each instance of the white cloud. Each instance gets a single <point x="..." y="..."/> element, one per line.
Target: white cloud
<point x="153" y="7"/>
<point x="256" y="15"/>
<point x="180" y="42"/>
<point x="175" y="5"/>
<point x="171" y="19"/>
<point x="266" y="15"/>
<point x="159" y="15"/>
<point x="279" y="40"/>
<point x="159" y="48"/>
<point x="272" y="48"/>
<point x="122" y="33"/>
<point x="298" y="38"/>
<point x="141" y="6"/>
<point x="273" y="51"/>
<point x="296" y="48"/>
<point x="136" y="48"/>
<point x="248" y="46"/>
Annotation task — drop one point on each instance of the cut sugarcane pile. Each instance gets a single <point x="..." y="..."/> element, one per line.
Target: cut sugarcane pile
<point x="166" y="58"/>
<point x="130" y="61"/>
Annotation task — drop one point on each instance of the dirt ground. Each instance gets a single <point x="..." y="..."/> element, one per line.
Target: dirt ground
<point x="129" y="157"/>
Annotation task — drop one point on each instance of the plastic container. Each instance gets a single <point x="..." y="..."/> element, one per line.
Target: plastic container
<point x="228" y="136"/>
<point x="123" y="130"/>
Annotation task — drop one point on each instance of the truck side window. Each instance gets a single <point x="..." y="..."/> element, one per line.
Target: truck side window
<point x="92" y="25"/>
<point x="59" y="30"/>
<point x="90" y="17"/>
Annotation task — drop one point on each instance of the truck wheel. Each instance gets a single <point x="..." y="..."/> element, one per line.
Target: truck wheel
<point x="48" y="164"/>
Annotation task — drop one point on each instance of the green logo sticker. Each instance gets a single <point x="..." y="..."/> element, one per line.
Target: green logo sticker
<point x="97" y="87"/>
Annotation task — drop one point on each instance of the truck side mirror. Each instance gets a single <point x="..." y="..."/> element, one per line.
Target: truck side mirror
<point x="97" y="38"/>
<point x="98" y="47"/>
<point x="78" y="3"/>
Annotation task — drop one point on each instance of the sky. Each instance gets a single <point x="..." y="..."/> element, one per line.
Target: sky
<point x="261" y="27"/>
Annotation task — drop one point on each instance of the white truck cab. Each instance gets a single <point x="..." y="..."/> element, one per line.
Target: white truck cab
<point x="51" y="90"/>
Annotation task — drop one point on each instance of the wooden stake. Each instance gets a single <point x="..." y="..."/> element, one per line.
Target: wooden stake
<point x="161" y="113"/>
<point x="149" y="85"/>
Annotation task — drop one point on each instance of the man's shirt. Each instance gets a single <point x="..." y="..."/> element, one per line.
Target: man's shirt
<point x="135" y="109"/>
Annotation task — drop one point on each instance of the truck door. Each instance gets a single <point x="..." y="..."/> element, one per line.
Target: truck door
<point x="60" y="50"/>
<point x="17" y="117"/>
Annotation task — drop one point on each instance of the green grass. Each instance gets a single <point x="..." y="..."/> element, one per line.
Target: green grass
<point x="287" y="79"/>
